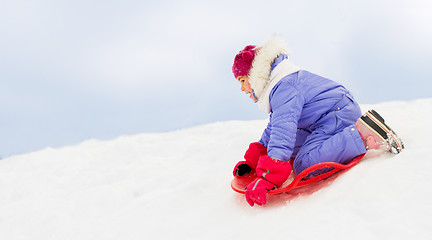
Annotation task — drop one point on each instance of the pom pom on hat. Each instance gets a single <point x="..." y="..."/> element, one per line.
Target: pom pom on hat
<point x="243" y="61"/>
<point x="248" y="56"/>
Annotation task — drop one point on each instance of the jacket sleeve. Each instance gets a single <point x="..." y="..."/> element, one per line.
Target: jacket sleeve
<point x="286" y="104"/>
<point x="265" y="137"/>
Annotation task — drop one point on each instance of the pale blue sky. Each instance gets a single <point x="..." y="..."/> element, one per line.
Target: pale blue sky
<point x="75" y="70"/>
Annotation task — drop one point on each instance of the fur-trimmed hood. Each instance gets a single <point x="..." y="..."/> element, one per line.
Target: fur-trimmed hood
<point x="259" y="75"/>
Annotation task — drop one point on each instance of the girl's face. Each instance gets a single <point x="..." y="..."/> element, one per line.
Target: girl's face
<point x="245" y="86"/>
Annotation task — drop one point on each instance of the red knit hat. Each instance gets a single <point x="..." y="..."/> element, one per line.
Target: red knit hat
<point x="243" y="61"/>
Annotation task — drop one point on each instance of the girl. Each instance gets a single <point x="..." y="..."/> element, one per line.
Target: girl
<point x="312" y="119"/>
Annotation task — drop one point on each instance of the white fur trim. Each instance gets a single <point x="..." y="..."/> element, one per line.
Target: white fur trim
<point x="259" y="74"/>
<point x="282" y="70"/>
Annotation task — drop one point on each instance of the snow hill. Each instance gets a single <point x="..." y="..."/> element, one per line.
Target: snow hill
<point x="176" y="186"/>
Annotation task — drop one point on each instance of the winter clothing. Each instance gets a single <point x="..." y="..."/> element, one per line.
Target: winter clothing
<point x="252" y="155"/>
<point x="241" y="168"/>
<point x="259" y="74"/>
<point x="256" y="191"/>
<point x="370" y="138"/>
<point x="243" y="61"/>
<point x="255" y="151"/>
<point x="376" y="134"/>
<point x="273" y="170"/>
<point x="312" y="120"/>
<point x="281" y="68"/>
<point x="311" y="117"/>
<point x="272" y="173"/>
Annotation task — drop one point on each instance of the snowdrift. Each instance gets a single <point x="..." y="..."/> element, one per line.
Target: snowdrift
<point x="176" y="185"/>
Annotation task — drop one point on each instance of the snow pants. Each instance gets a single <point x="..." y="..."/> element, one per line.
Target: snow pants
<point x="333" y="138"/>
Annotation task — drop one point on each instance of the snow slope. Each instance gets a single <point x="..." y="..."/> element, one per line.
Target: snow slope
<point x="176" y="186"/>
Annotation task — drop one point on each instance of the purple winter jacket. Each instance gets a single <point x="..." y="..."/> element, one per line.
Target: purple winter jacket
<point x="301" y="104"/>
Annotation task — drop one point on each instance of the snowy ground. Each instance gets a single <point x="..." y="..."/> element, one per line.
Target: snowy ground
<point x="176" y="186"/>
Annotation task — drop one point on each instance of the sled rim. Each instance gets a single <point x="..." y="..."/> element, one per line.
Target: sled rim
<point x="298" y="181"/>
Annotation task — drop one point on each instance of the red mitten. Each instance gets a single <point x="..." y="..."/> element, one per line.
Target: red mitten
<point x="252" y="155"/>
<point x="256" y="191"/>
<point x="254" y="152"/>
<point x="272" y="170"/>
<point x="273" y="173"/>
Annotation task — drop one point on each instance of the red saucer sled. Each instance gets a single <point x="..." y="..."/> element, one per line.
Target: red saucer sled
<point x="239" y="184"/>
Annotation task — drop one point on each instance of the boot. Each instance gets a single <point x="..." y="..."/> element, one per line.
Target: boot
<point x="378" y="135"/>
